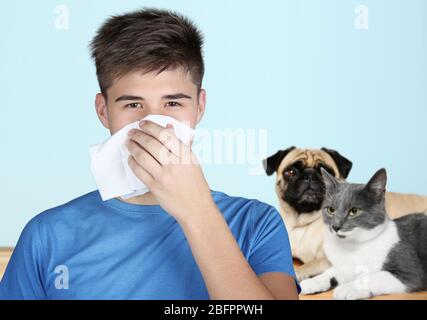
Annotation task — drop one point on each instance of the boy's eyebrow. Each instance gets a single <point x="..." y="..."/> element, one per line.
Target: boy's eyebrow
<point x="168" y="96"/>
<point x="128" y="97"/>
<point x="176" y="96"/>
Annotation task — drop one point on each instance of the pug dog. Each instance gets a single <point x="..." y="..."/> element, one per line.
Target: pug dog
<point x="300" y="189"/>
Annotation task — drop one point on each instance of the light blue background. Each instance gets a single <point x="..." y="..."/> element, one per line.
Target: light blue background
<point x="297" y="68"/>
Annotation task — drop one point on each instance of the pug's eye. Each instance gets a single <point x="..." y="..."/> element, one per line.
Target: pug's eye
<point x="331" y="211"/>
<point x="354" y="212"/>
<point x="290" y="172"/>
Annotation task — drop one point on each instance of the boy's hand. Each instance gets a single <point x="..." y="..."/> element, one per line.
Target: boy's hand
<point x="170" y="170"/>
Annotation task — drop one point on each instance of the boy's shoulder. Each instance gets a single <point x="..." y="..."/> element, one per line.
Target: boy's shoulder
<point x="77" y="206"/>
<point x="59" y="215"/>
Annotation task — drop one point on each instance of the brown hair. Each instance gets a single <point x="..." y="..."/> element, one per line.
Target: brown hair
<point x="150" y="40"/>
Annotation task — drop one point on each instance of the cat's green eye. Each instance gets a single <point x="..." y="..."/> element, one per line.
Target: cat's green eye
<point x="330" y="211"/>
<point x="354" y="212"/>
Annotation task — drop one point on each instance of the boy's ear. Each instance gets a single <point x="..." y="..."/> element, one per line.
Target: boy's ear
<point x="201" y="105"/>
<point x="101" y="109"/>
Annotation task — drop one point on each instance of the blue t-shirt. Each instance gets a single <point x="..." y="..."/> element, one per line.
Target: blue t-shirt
<point x="93" y="249"/>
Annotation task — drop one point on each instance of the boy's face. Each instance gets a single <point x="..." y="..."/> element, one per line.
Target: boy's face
<point x="136" y="95"/>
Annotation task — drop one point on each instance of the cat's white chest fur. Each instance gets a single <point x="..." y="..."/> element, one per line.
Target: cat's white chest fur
<point x="353" y="258"/>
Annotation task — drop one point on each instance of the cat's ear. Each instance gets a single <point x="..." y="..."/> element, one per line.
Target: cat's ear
<point x="378" y="182"/>
<point x="271" y="163"/>
<point x="330" y="181"/>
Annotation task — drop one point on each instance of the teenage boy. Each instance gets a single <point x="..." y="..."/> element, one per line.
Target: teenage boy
<point x="181" y="240"/>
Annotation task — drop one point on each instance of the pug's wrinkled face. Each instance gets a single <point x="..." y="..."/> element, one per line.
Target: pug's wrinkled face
<point x="302" y="187"/>
<point x="299" y="181"/>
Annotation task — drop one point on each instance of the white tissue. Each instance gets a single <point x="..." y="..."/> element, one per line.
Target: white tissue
<point x="109" y="160"/>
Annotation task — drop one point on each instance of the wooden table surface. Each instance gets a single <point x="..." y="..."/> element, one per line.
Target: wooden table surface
<point x="4" y="258"/>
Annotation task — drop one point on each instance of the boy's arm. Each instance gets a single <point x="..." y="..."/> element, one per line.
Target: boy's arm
<point x="225" y="270"/>
<point x="282" y="285"/>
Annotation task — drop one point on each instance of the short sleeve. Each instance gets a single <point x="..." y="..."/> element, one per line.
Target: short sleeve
<point x="270" y="248"/>
<point x="23" y="276"/>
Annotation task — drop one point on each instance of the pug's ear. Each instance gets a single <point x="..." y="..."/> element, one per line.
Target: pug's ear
<point x="330" y="181"/>
<point x="271" y="163"/>
<point x="344" y="165"/>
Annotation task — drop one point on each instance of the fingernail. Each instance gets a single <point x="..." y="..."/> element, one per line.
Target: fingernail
<point x="131" y="132"/>
<point x="141" y="123"/>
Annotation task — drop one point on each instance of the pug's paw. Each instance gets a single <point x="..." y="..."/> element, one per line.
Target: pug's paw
<point x="314" y="285"/>
<point x="302" y="274"/>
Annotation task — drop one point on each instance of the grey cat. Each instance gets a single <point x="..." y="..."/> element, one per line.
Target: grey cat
<point x="370" y="254"/>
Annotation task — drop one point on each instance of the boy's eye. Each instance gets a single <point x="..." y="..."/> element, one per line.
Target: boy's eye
<point x="354" y="212"/>
<point x="133" y="105"/>
<point x="173" y="104"/>
<point x="330" y="211"/>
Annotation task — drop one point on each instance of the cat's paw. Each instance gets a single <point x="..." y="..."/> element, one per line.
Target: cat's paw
<point x="314" y="285"/>
<point x="349" y="291"/>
